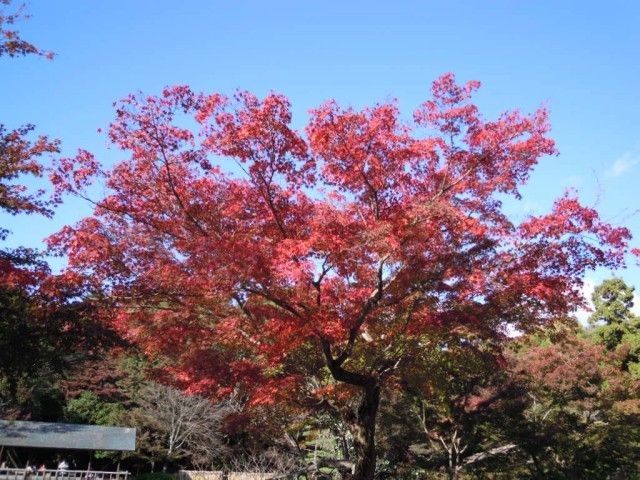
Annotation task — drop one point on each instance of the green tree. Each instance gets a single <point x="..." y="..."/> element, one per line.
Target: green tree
<point x="614" y="325"/>
<point x="89" y="408"/>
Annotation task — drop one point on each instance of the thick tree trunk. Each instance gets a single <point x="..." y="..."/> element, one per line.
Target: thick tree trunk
<point x="362" y="422"/>
<point x="363" y="427"/>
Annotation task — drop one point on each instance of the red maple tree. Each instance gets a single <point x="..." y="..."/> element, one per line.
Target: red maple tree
<point x="257" y="257"/>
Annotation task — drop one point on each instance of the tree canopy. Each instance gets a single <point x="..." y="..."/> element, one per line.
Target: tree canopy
<point x="334" y="255"/>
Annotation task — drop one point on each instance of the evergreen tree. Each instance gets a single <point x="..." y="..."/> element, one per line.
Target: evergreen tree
<point x="615" y="326"/>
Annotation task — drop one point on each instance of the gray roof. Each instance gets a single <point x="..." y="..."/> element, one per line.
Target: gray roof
<point x="15" y="433"/>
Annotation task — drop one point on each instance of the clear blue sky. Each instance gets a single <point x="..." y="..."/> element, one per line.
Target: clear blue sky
<point x="580" y="58"/>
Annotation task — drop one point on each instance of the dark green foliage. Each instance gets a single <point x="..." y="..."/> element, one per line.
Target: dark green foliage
<point x="30" y="359"/>
<point x="42" y="340"/>
<point x="89" y="408"/>
<point x="614" y="324"/>
<point x="613" y="301"/>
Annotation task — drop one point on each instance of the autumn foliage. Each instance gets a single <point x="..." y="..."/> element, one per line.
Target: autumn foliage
<point x="21" y="156"/>
<point x="11" y="43"/>
<point x="257" y="257"/>
<point x="359" y="274"/>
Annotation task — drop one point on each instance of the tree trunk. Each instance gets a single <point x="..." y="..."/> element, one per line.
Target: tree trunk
<point x="363" y="427"/>
<point x="453" y="473"/>
<point x="453" y="469"/>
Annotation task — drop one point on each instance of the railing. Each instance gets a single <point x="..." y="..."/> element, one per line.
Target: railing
<point x="32" y="474"/>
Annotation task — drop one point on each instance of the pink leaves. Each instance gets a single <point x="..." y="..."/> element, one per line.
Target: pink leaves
<point x="148" y="123"/>
<point x="488" y="157"/>
<point x="569" y="217"/>
<point x="210" y="105"/>
<point x="74" y="175"/>
<point x="447" y="92"/>
<point x="11" y="43"/>
<point x="368" y="153"/>
<point x="447" y="110"/>
<point x="257" y="133"/>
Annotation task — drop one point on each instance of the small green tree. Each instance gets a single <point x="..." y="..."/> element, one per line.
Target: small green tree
<point x="614" y="325"/>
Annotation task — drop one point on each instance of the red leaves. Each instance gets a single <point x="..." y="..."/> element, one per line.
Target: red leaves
<point x="367" y="153"/>
<point x="485" y="156"/>
<point x="573" y="232"/>
<point x="21" y="156"/>
<point x="447" y="110"/>
<point x="257" y="133"/>
<point x="10" y="42"/>
<point x="21" y="269"/>
<point x="576" y="373"/>
<point x="366" y="236"/>
<point x="564" y="368"/>
<point x="73" y="175"/>
<point x="446" y="92"/>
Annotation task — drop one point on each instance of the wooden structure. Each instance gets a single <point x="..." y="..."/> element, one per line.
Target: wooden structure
<point x="63" y="436"/>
